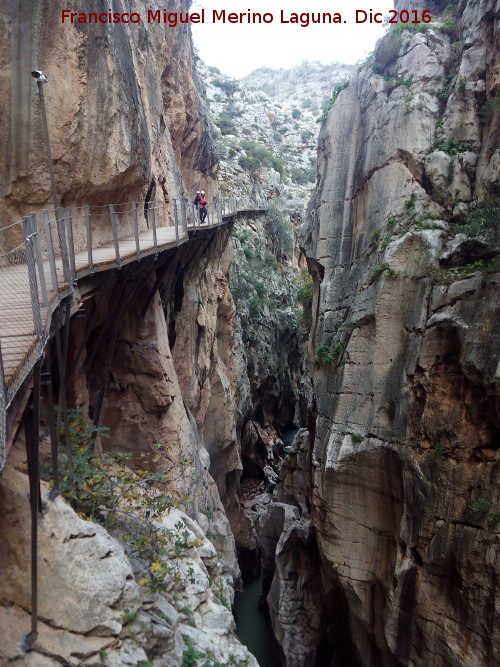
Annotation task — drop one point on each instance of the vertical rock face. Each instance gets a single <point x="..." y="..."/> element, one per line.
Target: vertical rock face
<point x="405" y="341"/>
<point x="125" y="118"/>
<point x="126" y="123"/>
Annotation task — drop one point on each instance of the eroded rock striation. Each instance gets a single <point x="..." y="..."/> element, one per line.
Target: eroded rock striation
<point x="404" y="470"/>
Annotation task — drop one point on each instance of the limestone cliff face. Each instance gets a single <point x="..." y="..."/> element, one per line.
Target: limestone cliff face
<point x="124" y="114"/>
<point x="92" y="610"/>
<point x="126" y="123"/>
<point x="405" y="344"/>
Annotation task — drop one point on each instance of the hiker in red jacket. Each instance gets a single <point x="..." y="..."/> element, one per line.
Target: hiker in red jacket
<point x="202" y="207"/>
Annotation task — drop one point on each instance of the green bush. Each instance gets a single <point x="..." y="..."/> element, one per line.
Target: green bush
<point x="379" y="269"/>
<point x="296" y="113"/>
<point x="451" y="146"/>
<point x="305" y="289"/>
<point x="260" y="155"/>
<point x="328" y="355"/>
<point x="303" y="176"/>
<point x="337" y="89"/>
<point x="484" y="222"/>
<point x="488" y="108"/>
<point x="229" y="87"/>
<point x="225" y="123"/>
<point x="249" y="163"/>
<point x="101" y="488"/>
<point x="281" y="232"/>
<point x="409" y="27"/>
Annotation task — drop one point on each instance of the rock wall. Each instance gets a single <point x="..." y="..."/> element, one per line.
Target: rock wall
<point x="405" y="424"/>
<point x="124" y="111"/>
<point x="92" y="611"/>
<point x="126" y="123"/>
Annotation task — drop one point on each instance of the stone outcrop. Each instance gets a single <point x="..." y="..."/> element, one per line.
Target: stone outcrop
<point x="405" y="348"/>
<point x="126" y="123"/>
<point x="91" y="610"/>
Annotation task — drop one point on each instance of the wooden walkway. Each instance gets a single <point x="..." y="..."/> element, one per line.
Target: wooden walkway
<point x="43" y="269"/>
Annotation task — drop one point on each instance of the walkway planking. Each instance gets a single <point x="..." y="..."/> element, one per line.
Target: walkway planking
<point x="17" y="334"/>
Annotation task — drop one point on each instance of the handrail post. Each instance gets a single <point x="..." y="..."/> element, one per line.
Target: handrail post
<point x="176" y="222"/>
<point x="136" y="230"/>
<point x="88" y="229"/>
<point x="30" y="261"/>
<point x="115" y="234"/>
<point x="50" y="251"/>
<point x="39" y="259"/>
<point x="184" y="217"/>
<point x="71" y="242"/>
<point x="153" y="223"/>
<point x="61" y="234"/>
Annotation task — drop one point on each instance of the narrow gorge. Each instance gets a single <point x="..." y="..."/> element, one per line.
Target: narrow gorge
<point x="303" y="397"/>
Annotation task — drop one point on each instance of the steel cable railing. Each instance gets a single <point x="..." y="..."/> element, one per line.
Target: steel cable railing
<point x="43" y="255"/>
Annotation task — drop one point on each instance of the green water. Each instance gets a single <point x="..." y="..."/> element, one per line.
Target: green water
<point x="253" y="627"/>
<point x="288" y="436"/>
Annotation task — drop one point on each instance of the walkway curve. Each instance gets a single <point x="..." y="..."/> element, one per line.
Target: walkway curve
<point x="43" y="256"/>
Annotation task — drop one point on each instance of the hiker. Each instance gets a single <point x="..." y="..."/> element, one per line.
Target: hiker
<point x="202" y="207"/>
<point x="196" y="200"/>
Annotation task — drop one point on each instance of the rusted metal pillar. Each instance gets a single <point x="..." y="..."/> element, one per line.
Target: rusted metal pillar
<point x="3" y="408"/>
<point x="31" y="429"/>
<point x="40" y="83"/>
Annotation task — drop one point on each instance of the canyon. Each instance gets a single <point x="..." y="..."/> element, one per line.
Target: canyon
<point x="364" y="326"/>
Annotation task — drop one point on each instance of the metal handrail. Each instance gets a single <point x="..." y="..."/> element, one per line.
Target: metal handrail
<point x="51" y="255"/>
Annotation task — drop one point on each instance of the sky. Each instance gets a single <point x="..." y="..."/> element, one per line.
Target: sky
<point x="238" y="49"/>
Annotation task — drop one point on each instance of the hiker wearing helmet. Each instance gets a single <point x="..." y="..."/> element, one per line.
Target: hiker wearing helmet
<point x="202" y="207"/>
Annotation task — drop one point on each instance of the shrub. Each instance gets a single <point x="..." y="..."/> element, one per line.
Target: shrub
<point x="337" y="89"/>
<point x="248" y="163"/>
<point x="323" y="355"/>
<point x="260" y="156"/>
<point x="379" y="269"/>
<point x="305" y="287"/>
<point x="488" y="108"/>
<point x="280" y="229"/>
<point x="357" y="437"/>
<point x="296" y="113"/>
<point x="100" y="488"/>
<point x="225" y="123"/>
<point x="229" y="87"/>
<point x="451" y="146"/>
<point x="450" y="28"/>
<point x="484" y="222"/>
<point x="410" y="27"/>
<point x="440" y="276"/>
<point x="327" y="355"/>
<point x="303" y="176"/>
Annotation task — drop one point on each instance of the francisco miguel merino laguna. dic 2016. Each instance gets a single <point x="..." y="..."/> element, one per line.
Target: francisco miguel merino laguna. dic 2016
<point x="303" y="19"/>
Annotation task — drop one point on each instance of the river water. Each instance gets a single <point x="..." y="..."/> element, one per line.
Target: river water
<point x="253" y="627"/>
